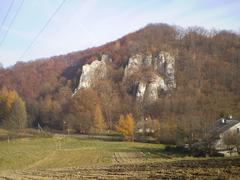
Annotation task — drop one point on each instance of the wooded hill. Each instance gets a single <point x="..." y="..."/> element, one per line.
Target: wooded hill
<point x="207" y="77"/>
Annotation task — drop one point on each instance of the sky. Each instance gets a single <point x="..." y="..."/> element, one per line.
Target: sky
<point x="81" y="24"/>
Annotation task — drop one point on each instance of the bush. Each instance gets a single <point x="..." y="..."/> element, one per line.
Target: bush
<point x="177" y="149"/>
<point x="23" y="133"/>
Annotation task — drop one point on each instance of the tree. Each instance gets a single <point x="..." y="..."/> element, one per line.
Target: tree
<point x="207" y="71"/>
<point x="151" y="127"/>
<point x="4" y="109"/>
<point x="18" y="116"/>
<point x="32" y="107"/>
<point x="13" y="110"/>
<point x="81" y="110"/>
<point x="109" y="101"/>
<point x="126" y="126"/>
<point x="46" y="111"/>
<point x="168" y="130"/>
<point x="99" y="124"/>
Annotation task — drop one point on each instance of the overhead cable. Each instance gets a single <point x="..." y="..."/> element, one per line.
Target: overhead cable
<point x="7" y="14"/>
<point x="41" y="31"/>
<point x="11" y="23"/>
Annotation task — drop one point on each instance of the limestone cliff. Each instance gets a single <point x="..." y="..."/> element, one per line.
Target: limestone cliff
<point x="97" y="70"/>
<point x="162" y="69"/>
<point x="152" y="75"/>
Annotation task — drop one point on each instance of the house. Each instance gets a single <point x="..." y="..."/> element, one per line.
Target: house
<point x="221" y="128"/>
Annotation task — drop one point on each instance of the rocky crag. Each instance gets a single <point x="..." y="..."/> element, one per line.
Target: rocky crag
<point x="152" y="75"/>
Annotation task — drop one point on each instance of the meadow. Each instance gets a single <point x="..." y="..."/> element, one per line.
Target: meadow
<point x="62" y="157"/>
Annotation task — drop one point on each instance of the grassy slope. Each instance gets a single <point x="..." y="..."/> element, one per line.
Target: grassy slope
<point x="44" y="153"/>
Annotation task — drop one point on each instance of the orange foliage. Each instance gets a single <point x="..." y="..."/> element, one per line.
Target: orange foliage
<point x="126" y="126"/>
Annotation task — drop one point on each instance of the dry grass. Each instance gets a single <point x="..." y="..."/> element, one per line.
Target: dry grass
<point x="56" y="152"/>
<point x="72" y="158"/>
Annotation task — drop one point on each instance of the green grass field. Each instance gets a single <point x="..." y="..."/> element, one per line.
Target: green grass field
<point x="72" y="158"/>
<point x="44" y="153"/>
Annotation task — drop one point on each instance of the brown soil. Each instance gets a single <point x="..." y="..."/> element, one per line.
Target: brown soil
<point x="185" y="169"/>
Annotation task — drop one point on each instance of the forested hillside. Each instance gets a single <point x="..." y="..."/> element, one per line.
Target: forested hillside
<point x="207" y="72"/>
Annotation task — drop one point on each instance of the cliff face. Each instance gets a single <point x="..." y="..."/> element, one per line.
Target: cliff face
<point x="95" y="71"/>
<point x="165" y="64"/>
<point x="156" y="74"/>
<point x="152" y="75"/>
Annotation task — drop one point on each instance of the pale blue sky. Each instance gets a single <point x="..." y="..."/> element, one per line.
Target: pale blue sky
<point x="81" y="24"/>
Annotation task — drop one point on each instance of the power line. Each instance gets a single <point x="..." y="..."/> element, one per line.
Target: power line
<point x="41" y="31"/>
<point x="11" y="23"/>
<point x="6" y="16"/>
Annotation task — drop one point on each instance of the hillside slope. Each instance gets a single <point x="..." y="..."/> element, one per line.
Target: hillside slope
<point x="206" y="73"/>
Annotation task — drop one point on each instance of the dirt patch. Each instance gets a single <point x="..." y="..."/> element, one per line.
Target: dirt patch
<point x="128" y="157"/>
<point x="193" y="169"/>
<point x="202" y="169"/>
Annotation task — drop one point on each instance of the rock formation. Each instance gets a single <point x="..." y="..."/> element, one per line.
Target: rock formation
<point x="162" y="69"/>
<point x="97" y="70"/>
<point x="165" y="64"/>
<point x="152" y="75"/>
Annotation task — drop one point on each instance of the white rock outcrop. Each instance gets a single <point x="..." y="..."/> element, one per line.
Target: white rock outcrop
<point x="141" y="91"/>
<point x="134" y="64"/>
<point x="152" y="91"/>
<point x="162" y="78"/>
<point x="152" y="75"/>
<point x="97" y="70"/>
<point x="164" y="63"/>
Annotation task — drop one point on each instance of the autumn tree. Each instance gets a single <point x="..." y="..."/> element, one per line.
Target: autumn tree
<point x="99" y="124"/>
<point x="13" y="110"/>
<point x="152" y="127"/>
<point x="50" y="113"/>
<point x="81" y="109"/>
<point x="168" y="130"/>
<point x="32" y="107"/>
<point x="18" y="116"/>
<point x="50" y="109"/>
<point x="4" y="108"/>
<point x="109" y="101"/>
<point x="126" y="126"/>
<point x="207" y="71"/>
